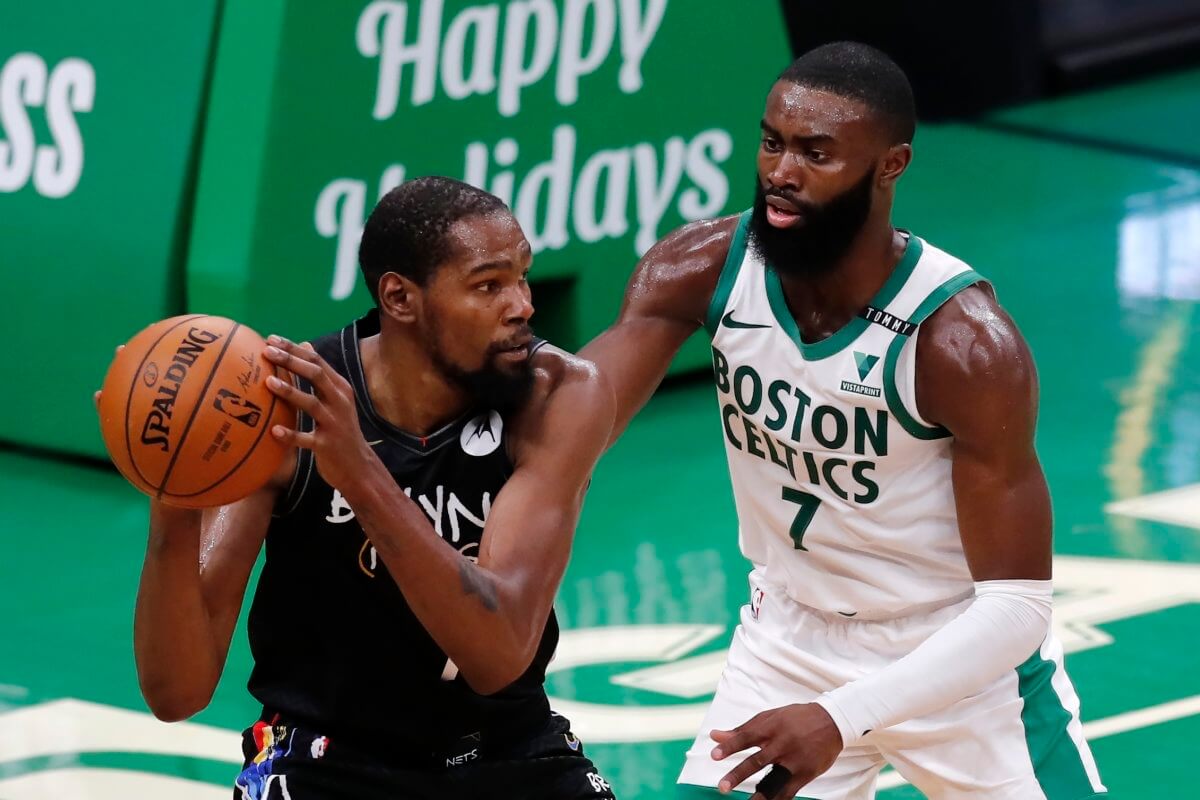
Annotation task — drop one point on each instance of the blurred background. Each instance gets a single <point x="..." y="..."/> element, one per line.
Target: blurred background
<point x="222" y="156"/>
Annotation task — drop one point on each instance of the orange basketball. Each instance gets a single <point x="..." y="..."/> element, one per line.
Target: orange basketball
<point x="186" y="413"/>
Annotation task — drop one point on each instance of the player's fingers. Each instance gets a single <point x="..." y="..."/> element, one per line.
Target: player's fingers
<point x="736" y="740"/>
<point x="753" y="763"/>
<point x="96" y="399"/>
<point x="293" y="438"/>
<point x="296" y="398"/>
<point x="306" y="362"/>
<point x="293" y="363"/>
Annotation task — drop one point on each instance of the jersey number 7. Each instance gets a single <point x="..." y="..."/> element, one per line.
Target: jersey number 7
<point x="808" y="509"/>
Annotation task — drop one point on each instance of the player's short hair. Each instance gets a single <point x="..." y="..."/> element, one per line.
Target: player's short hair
<point x="861" y="72"/>
<point x="406" y="233"/>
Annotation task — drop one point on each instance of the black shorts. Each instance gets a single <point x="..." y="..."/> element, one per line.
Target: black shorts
<point x="287" y="763"/>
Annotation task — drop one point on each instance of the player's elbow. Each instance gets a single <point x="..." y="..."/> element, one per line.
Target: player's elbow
<point x="174" y="709"/>
<point x="500" y="671"/>
<point x="173" y="703"/>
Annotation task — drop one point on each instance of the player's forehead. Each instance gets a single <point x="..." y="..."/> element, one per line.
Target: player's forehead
<point x="493" y="238"/>
<point x="802" y="111"/>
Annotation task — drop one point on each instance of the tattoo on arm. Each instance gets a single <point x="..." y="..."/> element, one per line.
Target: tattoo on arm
<point x="477" y="583"/>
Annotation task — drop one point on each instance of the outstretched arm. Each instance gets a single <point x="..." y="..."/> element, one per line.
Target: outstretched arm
<point x="665" y="303"/>
<point x="487" y="617"/>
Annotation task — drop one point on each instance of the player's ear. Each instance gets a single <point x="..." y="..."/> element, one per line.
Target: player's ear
<point x="895" y="161"/>
<point x="398" y="297"/>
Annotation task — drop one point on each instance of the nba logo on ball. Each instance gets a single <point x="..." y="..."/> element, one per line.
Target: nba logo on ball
<point x="756" y="598"/>
<point x="481" y="435"/>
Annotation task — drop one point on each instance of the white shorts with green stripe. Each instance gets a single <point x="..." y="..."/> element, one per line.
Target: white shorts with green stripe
<point x="1017" y="739"/>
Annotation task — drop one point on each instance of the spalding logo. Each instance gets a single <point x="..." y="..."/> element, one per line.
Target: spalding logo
<point x="156" y="429"/>
<point x="481" y="435"/>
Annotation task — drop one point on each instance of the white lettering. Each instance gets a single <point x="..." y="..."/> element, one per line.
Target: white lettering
<point x="434" y="511"/>
<point x="551" y="203"/>
<point x="482" y="80"/>
<point x="555" y="175"/>
<point x="386" y="43"/>
<point x="515" y="74"/>
<point x="456" y="510"/>
<point x="340" y="213"/>
<point x="58" y="168"/>
<point x="22" y="84"/>
<point x="573" y="63"/>
<point x="506" y="155"/>
<point x="704" y="153"/>
<point x="614" y="165"/>
<point x="655" y="190"/>
<point x="637" y="32"/>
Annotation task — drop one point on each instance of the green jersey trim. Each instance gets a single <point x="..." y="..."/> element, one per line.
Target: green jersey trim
<point x="931" y="303"/>
<point x="852" y="329"/>
<point x="729" y="274"/>
<point x="1057" y="763"/>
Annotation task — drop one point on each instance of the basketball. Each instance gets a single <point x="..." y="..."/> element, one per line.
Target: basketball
<point x="186" y="413"/>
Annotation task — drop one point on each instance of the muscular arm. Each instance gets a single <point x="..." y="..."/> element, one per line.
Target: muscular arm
<point x="975" y="376"/>
<point x="193" y="581"/>
<point x="489" y="617"/>
<point x="665" y="303"/>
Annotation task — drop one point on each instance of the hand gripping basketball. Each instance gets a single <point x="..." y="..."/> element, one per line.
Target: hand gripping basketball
<point x="342" y="454"/>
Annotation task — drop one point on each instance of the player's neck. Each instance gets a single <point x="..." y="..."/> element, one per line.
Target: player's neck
<point x="406" y="388"/>
<point x="823" y="304"/>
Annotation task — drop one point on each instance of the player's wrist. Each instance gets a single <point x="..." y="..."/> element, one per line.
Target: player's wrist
<point x="846" y="728"/>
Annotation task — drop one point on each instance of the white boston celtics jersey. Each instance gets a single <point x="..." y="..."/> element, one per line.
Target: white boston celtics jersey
<point x="843" y="491"/>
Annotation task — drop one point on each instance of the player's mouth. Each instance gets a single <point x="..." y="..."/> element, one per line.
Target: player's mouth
<point x="514" y="351"/>
<point x="782" y="213"/>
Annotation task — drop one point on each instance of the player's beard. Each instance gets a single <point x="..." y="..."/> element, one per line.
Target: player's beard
<point x="499" y="387"/>
<point x="823" y="236"/>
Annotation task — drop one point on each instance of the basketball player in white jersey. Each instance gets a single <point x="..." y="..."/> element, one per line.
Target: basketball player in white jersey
<point x="878" y="408"/>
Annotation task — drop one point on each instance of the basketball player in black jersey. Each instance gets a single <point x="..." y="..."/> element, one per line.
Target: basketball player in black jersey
<point x="402" y="622"/>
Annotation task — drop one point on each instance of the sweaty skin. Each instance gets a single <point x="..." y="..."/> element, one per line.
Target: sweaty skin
<point x="975" y="374"/>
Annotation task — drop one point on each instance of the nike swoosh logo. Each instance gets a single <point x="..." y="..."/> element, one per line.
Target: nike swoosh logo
<point x="729" y="322"/>
<point x="377" y="441"/>
<point x="850" y="614"/>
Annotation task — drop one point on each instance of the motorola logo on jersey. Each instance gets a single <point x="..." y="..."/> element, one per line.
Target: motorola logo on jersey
<point x="481" y="435"/>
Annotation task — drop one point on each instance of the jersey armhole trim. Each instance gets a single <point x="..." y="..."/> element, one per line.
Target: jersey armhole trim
<point x="931" y="303"/>
<point x="301" y="477"/>
<point x="729" y="273"/>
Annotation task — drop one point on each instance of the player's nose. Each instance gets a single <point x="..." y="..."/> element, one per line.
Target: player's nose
<point x="520" y="307"/>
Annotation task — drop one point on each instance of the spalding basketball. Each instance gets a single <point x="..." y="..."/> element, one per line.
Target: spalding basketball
<point x="186" y="413"/>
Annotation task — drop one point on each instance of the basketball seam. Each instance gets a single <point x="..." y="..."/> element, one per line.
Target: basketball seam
<point x="195" y="410"/>
<point x="133" y="387"/>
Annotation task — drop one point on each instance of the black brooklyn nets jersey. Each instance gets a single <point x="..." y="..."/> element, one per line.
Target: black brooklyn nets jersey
<point x="335" y="645"/>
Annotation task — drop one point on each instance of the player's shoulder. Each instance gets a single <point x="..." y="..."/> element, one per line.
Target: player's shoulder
<point x="678" y="275"/>
<point x="970" y="349"/>
<point x="555" y="369"/>
<point x="691" y="253"/>
<point x="564" y="380"/>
